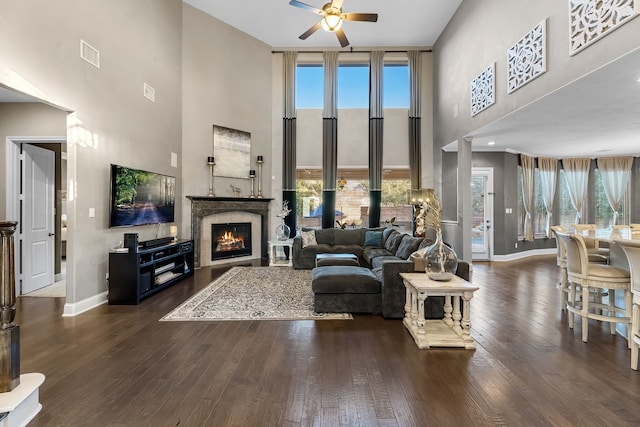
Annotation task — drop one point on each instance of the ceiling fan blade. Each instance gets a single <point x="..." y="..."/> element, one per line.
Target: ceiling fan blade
<point x="310" y="31"/>
<point x="368" y="17"/>
<point x="305" y="6"/>
<point x="336" y="4"/>
<point x="342" y="37"/>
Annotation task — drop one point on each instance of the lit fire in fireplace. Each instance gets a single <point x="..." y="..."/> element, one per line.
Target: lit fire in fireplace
<point x="229" y="242"/>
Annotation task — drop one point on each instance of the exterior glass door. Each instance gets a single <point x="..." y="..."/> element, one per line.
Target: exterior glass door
<point x="481" y="213"/>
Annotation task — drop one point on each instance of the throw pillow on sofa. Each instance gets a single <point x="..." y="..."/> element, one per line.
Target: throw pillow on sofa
<point x="393" y="241"/>
<point x="308" y="238"/>
<point x="373" y="238"/>
<point x="408" y="246"/>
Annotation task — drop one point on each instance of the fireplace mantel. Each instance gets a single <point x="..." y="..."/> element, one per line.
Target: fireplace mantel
<point x="203" y="206"/>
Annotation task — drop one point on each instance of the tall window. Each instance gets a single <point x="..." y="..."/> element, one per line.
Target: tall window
<point x="395" y="184"/>
<point x="567" y="214"/>
<point x="539" y="214"/>
<point x="309" y="86"/>
<point x="353" y="86"/>
<point x="603" y="212"/>
<point x="352" y="188"/>
<point x="352" y="197"/>
<point x="395" y="85"/>
<point x="309" y="198"/>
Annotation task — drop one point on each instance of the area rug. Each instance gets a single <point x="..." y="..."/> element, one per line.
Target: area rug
<point x="254" y="293"/>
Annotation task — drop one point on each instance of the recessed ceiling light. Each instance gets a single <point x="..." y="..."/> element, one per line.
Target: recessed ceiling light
<point x="491" y="143"/>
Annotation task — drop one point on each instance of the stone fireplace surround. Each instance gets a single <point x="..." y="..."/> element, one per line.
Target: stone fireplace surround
<point x="207" y="210"/>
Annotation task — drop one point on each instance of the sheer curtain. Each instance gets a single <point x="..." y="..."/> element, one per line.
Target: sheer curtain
<point x="576" y="172"/>
<point x="615" y="173"/>
<point x="528" y="172"/>
<point x="548" y="173"/>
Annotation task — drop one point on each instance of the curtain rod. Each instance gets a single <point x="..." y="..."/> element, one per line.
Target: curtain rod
<point x="346" y="51"/>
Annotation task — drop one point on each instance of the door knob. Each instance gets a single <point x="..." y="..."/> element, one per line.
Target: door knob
<point x="51" y="234"/>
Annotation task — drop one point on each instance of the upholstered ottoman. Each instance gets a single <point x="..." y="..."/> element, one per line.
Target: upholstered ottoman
<point x="324" y="260"/>
<point x="345" y="289"/>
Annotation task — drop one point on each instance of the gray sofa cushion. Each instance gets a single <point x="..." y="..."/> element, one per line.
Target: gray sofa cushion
<point x="386" y="233"/>
<point x="372" y="253"/>
<point x="349" y="237"/>
<point x="393" y="241"/>
<point x="324" y="236"/>
<point x="408" y="246"/>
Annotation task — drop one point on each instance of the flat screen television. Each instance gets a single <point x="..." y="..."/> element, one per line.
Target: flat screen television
<point x="140" y="197"/>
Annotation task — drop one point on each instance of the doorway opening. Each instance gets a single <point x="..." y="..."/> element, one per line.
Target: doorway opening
<point x="36" y="197"/>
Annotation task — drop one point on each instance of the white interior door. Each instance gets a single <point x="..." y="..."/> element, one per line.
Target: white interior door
<point x="37" y="217"/>
<point x="481" y="213"/>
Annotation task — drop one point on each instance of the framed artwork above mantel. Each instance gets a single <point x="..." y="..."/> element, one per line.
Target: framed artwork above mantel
<point x="232" y="151"/>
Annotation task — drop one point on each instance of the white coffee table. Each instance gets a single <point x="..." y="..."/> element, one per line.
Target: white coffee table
<point x="454" y="330"/>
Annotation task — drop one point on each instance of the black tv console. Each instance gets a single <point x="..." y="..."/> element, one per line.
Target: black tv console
<point x="137" y="275"/>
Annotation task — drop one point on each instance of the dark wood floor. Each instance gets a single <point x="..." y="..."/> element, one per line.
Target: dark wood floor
<point x="120" y="366"/>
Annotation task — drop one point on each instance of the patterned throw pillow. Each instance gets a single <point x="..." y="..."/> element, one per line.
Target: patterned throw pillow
<point x="308" y="238"/>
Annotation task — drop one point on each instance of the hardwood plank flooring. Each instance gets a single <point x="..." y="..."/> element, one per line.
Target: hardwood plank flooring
<point x="120" y="366"/>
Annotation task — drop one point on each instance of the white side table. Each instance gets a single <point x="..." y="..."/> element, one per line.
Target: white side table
<point x="454" y="330"/>
<point x="273" y="260"/>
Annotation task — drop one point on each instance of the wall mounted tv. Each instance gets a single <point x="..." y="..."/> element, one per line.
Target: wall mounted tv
<point x="140" y="197"/>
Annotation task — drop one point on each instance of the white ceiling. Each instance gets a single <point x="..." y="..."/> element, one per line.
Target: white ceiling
<point x="278" y="24"/>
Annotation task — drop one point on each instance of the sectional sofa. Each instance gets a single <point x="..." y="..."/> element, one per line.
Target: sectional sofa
<point x="383" y="251"/>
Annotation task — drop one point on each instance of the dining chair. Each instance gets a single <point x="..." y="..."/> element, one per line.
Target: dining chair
<point x="561" y="260"/>
<point x="583" y="227"/>
<point x="632" y="250"/>
<point x="591" y="277"/>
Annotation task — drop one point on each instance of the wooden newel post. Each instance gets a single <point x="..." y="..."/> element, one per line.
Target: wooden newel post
<point x="9" y="331"/>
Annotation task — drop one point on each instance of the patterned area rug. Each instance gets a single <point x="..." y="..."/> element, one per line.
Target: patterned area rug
<point x="254" y="293"/>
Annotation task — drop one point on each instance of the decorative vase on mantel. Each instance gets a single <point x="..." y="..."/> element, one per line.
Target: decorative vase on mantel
<point x="283" y="231"/>
<point x="440" y="261"/>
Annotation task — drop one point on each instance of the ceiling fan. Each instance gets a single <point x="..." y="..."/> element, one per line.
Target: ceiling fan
<point x="332" y="18"/>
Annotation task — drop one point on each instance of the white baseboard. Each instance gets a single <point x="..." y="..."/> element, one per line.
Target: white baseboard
<point x="524" y="254"/>
<point x="74" y="309"/>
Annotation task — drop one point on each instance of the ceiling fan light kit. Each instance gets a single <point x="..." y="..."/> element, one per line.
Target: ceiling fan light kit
<point x="332" y="18"/>
<point x="331" y="23"/>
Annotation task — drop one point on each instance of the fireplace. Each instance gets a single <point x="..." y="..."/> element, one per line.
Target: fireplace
<point x="230" y="240"/>
<point x="206" y="211"/>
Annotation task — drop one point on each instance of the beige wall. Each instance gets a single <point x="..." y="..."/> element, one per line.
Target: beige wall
<point x="112" y="122"/>
<point x="227" y="81"/>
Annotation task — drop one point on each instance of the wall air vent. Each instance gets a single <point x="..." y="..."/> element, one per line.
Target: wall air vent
<point x="149" y="92"/>
<point x="89" y="53"/>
